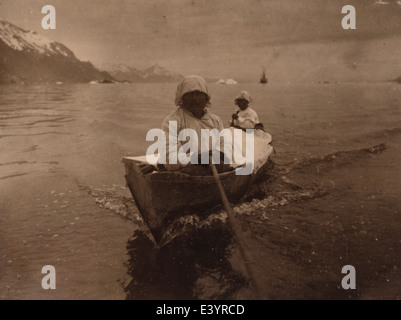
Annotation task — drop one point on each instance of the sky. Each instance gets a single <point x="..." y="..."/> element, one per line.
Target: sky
<point x="223" y="38"/>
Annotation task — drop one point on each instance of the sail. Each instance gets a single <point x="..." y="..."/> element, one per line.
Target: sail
<point x="263" y="78"/>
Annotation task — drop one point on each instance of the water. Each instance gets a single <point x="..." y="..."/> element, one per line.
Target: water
<point x="331" y="199"/>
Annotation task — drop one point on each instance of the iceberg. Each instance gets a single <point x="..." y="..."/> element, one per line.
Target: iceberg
<point x="226" y="81"/>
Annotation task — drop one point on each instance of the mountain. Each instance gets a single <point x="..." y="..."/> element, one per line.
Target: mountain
<point x="124" y="73"/>
<point x="159" y="74"/>
<point x="153" y="74"/>
<point x="27" y="57"/>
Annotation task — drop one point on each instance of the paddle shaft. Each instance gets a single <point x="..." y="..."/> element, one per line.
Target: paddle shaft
<point x="235" y="227"/>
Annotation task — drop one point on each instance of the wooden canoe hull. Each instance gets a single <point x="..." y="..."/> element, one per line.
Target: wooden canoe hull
<point x="162" y="197"/>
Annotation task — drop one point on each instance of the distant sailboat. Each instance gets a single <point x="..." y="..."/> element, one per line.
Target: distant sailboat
<point x="263" y="78"/>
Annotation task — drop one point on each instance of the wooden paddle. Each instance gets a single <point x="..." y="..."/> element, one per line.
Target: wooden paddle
<point x="236" y="230"/>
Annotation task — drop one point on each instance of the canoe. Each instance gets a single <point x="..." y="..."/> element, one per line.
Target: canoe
<point x="163" y="196"/>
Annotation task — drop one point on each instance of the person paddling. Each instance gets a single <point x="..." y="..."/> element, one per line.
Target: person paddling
<point x="193" y="100"/>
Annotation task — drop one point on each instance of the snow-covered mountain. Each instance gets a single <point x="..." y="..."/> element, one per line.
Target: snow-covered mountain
<point x="122" y="72"/>
<point x="30" y="41"/>
<point x="155" y="73"/>
<point x="26" y="56"/>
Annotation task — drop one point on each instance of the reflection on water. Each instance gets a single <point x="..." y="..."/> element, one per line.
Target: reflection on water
<point x="194" y="266"/>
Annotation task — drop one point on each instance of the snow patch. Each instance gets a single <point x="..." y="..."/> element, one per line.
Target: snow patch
<point x="21" y="40"/>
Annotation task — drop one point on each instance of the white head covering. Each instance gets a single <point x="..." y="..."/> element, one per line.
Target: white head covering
<point x="190" y="84"/>
<point x="244" y="95"/>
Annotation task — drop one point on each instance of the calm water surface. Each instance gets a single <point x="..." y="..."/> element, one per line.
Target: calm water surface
<point x="63" y="199"/>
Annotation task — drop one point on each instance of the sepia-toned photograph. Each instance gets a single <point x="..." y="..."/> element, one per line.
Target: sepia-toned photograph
<point x="200" y="150"/>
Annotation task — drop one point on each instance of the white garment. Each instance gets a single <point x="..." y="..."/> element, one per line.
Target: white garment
<point x="254" y="154"/>
<point x="247" y="118"/>
<point x="244" y="95"/>
<point x="185" y="120"/>
<point x="190" y="84"/>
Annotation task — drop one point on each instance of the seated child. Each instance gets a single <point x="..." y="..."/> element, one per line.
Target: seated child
<point x="245" y="117"/>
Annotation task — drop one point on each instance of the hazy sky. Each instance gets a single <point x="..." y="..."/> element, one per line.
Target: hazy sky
<point x="216" y="38"/>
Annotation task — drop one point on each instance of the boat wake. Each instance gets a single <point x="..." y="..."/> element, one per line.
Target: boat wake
<point x="204" y="246"/>
<point x="111" y="199"/>
<point x="281" y="186"/>
<point x="337" y="158"/>
<point x="277" y="187"/>
<point x="382" y="134"/>
<point x="301" y="181"/>
<point x="191" y="223"/>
